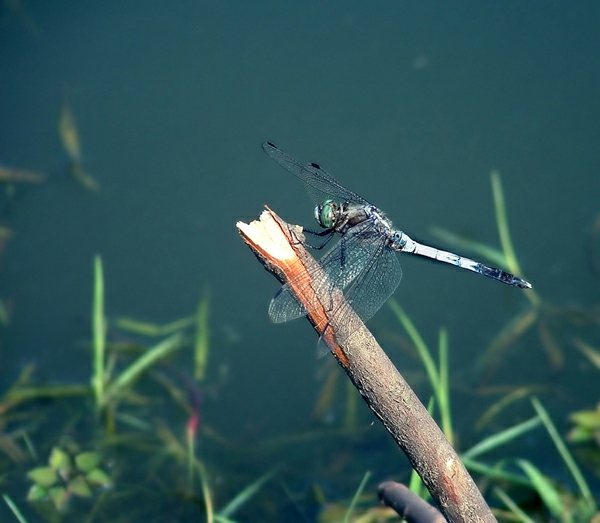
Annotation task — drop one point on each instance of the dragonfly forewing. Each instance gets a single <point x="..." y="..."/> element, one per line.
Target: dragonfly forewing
<point x="319" y="184"/>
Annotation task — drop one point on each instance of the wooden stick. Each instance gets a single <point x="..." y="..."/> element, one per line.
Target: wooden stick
<point x="407" y="504"/>
<point x="280" y="249"/>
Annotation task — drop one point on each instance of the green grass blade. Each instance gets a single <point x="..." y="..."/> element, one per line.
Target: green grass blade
<point x="437" y="377"/>
<point x="191" y="456"/>
<point x="246" y="494"/>
<point x="206" y="495"/>
<point x="202" y="341"/>
<point x="444" y="388"/>
<point x="494" y="410"/>
<point x="589" y="352"/>
<point x="356" y="496"/>
<point x="14" y="509"/>
<point x="222" y="519"/>
<point x="27" y="393"/>
<point x="565" y="455"/>
<point x="513" y="330"/>
<point x="140" y="365"/>
<point x="153" y="330"/>
<point x="545" y="489"/>
<point x="497" y="440"/>
<point x="502" y="223"/>
<point x="492" y="255"/>
<point x="98" y="332"/>
<point x="496" y="472"/>
<point x="418" y="342"/>
<point x="512" y="506"/>
<point x="503" y="231"/>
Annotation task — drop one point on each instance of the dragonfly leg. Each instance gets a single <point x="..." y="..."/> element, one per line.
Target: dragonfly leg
<point x="329" y="234"/>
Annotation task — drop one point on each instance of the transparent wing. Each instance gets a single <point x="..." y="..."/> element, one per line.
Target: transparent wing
<point x="374" y="286"/>
<point x="372" y="272"/>
<point x="285" y="307"/>
<point x="319" y="184"/>
<point x="341" y="264"/>
<point x="345" y="262"/>
<point x="360" y="264"/>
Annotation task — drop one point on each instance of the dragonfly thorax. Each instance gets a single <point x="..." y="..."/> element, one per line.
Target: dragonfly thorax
<point x="327" y="214"/>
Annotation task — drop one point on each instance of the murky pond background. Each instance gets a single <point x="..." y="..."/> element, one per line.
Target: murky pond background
<point x="409" y="104"/>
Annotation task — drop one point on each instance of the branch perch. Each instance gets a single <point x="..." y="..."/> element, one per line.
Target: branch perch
<point x="280" y="249"/>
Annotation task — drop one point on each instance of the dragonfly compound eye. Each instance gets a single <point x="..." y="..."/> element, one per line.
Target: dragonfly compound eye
<point x="326" y="213"/>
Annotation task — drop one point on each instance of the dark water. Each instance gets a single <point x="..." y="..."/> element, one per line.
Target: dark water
<point x="411" y="105"/>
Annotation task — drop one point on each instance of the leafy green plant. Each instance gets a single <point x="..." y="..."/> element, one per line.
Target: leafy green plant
<point x="69" y="473"/>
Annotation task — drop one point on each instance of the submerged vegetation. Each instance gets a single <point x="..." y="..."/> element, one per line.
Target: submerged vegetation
<point x="141" y="438"/>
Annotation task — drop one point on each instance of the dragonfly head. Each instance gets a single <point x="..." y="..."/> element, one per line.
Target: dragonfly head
<point x="326" y="214"/>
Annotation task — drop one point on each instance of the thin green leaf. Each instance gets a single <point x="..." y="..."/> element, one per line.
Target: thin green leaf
<point x="140" y="365"/>
<point x="356" y="496"/>
<point x="512" y="506"/>
<point x="496" y="472"/>
<point x="501" y="438"/>
<point x="246" y="494"/>
<point x="504" y="233"/>
<point x="498" y="406"/>
<point x="545" y="489"/>
<point x="565" y="455"/>
<point x="418" y="342"/>
<point x="206" y="494"/>
<point x="502" y="222"/>
<point x="590" y="352"/>
<point x="14" y="509"/>
<point x="443" y="395"/>
<point x="153" y="330"/>
<point x="493" y="256"/>
<point x="202" y="341"/>
<point x="98" y="332"/>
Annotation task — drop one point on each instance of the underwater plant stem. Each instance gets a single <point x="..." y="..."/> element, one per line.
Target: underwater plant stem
<point x="356" y="496"/>
<point x="206" y="494"/>
<point x="191" y="431"/>
<point x="135" y="369"/>
<point x="98" y="332"/>
<point x="502" y="222"/>
<point x="444" y="387"/>
<point x="280" y="249"/>
<point x="504" y="232"/>
<point x="438" y="378"/>
<point x="202" y="341"/>
<point x="584" y="489"/>
<point x="14" y="509"/>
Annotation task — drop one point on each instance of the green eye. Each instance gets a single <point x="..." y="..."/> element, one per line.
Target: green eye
<point x="325" y="214"/>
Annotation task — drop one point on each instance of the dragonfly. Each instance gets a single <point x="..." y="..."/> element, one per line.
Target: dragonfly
<point x="363" y="263"/>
